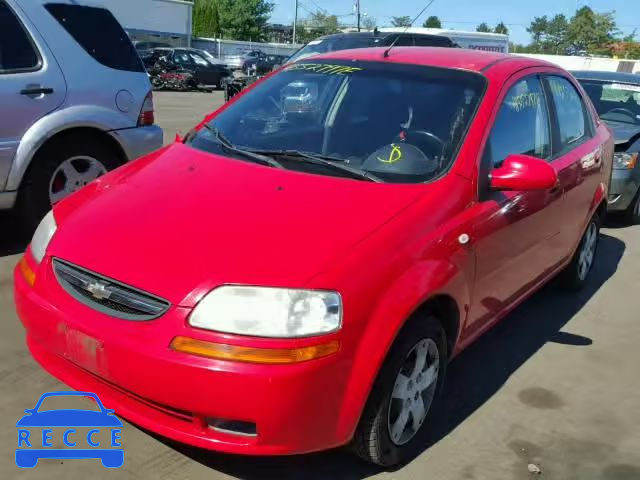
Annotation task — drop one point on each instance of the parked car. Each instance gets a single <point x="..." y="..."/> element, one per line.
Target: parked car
<point x="76" y="102"/>
<point x="616" y="97"/>
<point x="236" y="62"/>
<point x="312" y="259"/>
<point x="202" y="73"/>
<point x="350" y="40"/>
<point x="262" y="64"/>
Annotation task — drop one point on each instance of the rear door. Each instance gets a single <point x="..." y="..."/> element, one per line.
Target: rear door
<point x="206" y="73"/>
<point x="31" y="82"/>
<point x="577" y="152"/>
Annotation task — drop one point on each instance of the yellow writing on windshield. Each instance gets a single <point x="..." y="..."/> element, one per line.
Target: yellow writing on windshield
<point x="394" y="155"/>
<point x="324" y="68"/>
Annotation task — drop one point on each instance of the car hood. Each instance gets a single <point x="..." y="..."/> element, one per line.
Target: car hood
<point x="624" y="133"/>
<point x="180" y="221"/>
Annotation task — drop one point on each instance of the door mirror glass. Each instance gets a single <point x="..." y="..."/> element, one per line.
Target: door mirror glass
<point x="523" y="172"/>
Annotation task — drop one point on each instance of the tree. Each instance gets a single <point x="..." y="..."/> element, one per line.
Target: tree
<point x="501" y="28"/>
<point x="538" y="28"/>
<point x="432" y="22"/>
<point x="404" y="21"/>
<point x="317" y="24"/>
<point x="556" y="39"/>
<point x="483" y="27"/>
<point x="589" y="31"/>
<point x="244" y="19"/>
<point x="206" y="19"/>
<point x="369" y="23"/>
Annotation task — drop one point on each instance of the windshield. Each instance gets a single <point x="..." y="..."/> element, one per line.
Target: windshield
<point x="401" y="123"/>
<point x="614" y="101"/>
<point x="331" y="44"/>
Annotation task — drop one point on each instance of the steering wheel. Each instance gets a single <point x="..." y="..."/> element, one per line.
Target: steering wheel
<point x="624" y="111"/>
<point x="417" y="137"/>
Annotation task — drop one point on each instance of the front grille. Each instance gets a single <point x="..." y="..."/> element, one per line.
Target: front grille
<point x="107" y="295"/>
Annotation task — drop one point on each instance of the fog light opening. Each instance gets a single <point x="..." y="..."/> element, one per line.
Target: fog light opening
<point x="233" y="427"/>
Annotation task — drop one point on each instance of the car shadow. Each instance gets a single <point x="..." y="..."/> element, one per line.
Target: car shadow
<point x="472" y="379"/>
<point x="13" y="237"/>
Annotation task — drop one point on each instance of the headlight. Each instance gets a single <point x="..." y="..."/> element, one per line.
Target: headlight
<point x="269" y="312"/>
<point x="624" y="160"/>
<point x="42" y="236"/>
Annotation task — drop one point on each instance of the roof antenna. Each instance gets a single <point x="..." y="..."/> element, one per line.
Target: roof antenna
<point x="393" y="44"/>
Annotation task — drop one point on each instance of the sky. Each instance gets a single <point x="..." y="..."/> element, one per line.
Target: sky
<point x="464" y="14"/>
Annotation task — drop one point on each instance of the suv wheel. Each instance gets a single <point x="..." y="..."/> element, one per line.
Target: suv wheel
<point x="60" y="169"/>
<point x="400" y="403"/>
<point x="577" y="272"/>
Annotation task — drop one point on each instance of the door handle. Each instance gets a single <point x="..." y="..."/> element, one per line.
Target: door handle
<point x="36" y="91"/>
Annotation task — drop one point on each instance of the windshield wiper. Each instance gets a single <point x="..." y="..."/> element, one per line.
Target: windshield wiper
<point x="323" y="160"/>
<point x="230" y="147"/>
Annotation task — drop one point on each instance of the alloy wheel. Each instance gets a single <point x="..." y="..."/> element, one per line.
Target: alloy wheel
<point x="413" y="391"/>
<point x="587" y="251"/>
<point x="73" y="174"/>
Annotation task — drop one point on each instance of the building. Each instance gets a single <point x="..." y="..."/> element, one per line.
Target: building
<point x="167" y="21"/>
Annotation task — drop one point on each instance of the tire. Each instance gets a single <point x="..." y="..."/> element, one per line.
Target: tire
<point x="39" y="187"/>
<point x="373" y="440"/>
<point x="633" y="213"/>
<point x="575" y="275"/>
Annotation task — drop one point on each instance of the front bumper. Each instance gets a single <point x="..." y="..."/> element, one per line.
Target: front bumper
<point x="138" y="141"/>
<point x="623" y="189"/>
<point x="295" y="408"/>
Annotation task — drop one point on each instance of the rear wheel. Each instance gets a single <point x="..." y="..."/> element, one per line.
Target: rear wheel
<point x="403" y="395"/>
<point x="577" y="272"/>
<point x="59" y="169"/>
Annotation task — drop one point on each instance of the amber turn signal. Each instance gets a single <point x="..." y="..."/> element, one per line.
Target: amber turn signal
<point x="26" y="271"/>
<point x="221" y="351"/>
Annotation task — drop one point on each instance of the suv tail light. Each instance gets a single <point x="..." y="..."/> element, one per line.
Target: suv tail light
<point x="146" y="112"/>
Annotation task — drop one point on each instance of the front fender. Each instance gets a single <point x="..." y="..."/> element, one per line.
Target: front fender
<point x="399" y="302"/>
<point x="91" y="116"/>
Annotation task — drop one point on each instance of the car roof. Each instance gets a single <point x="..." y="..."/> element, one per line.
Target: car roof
<point x="458" y="58"/>
<point x="607" y="76"/>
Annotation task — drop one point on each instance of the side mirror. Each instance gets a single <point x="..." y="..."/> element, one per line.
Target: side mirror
<point x="523" y="172"/>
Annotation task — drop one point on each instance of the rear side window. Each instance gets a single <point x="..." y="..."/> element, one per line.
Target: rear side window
<point x="99" y="34"/>
<point x="432" y="41"/>
<point x="571" y="112"/>
<point x="17" y="52"/>
<point x="522" y="124"/>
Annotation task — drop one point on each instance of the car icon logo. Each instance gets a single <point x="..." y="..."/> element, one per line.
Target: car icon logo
<point x="33" y="446"/>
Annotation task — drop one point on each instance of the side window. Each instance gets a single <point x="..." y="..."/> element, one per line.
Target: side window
<point x="100" y="35"/>
<point x="199" y="60"/>
<point x="572" y="114"/>
<point x="522" y="124"/>
<point x="17" y="52"/>
<point x="405" y="41"/>
<point x="181" y="58"/>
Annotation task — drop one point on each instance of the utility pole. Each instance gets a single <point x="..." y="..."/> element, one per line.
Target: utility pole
<point x="295" y="22"/>
<point x="358" y="13"/>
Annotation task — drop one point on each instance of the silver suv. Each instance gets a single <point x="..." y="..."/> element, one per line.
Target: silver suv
<point x="75" y="101"/>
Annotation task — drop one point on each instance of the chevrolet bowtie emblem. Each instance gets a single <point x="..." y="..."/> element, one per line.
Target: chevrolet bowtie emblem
<point x="98" y="290"/>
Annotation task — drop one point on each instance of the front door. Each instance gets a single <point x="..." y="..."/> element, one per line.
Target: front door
<point x="31" y="83"/>
<point x="516" y="233"/>
<point x="205" y="71"/>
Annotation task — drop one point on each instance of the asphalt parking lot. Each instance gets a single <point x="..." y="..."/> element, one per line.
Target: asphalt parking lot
<point x="554" y="385"/>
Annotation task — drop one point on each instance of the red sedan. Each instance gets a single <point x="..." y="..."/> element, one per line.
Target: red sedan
<point x="295" y="274"/>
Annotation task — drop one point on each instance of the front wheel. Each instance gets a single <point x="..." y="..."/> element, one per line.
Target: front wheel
<point x="577" y="272"/>
<point x="401" y="401"/>
<point x="58" y="170"/>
